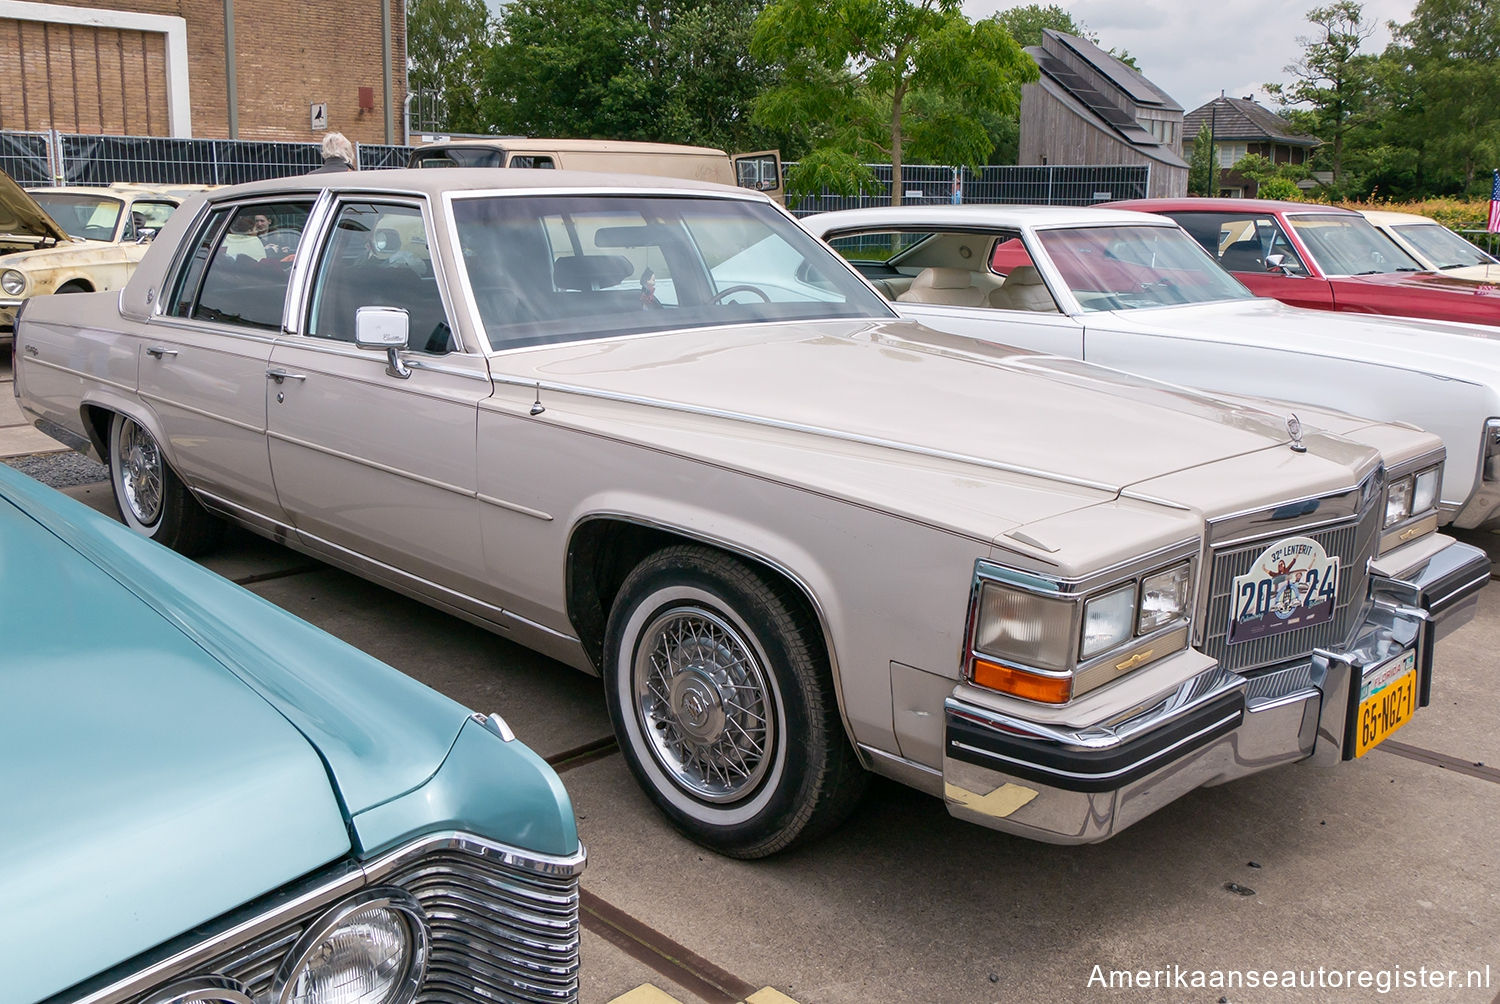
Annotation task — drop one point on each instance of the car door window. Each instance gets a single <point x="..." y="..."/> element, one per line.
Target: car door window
<point x="377" y="256"/>
<point x="234" y="275"/>
<point x="146" y="215"/>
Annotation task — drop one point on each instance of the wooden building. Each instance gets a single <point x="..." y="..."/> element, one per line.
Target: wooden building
<point x="1090" y="108"/>
<point x="1241" y="126"/>
<point x="212" y="69"/>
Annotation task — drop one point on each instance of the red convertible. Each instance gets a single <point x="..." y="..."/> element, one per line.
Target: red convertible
<point x="1324" y="257"/>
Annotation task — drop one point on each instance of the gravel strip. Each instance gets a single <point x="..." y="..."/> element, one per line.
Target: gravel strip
<point x="60" y="470"/>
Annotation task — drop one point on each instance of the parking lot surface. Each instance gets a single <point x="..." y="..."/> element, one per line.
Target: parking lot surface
<point x="1383" y="872"/>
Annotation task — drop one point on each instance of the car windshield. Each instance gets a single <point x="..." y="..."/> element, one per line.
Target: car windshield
<point x="1350" y="245"/>
<point x="564" y="268"/>
<point x="1441" y="246"/>
<point x="1130" y="267"/>
<point x="88" y="217"/>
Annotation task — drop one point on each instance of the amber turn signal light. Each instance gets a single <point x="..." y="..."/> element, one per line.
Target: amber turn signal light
<point x="1020" y="683"/>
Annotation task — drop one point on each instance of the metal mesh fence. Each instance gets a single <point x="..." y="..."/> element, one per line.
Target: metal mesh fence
<point x="49" y="158"/>
<point x="34" y="159"/>
<point x="1048" y="185"/>
<point x="23" y="156"/>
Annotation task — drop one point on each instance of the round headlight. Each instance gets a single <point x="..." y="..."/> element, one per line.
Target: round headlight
<point x="369" y="949"/>
<point x="13" y="282"/>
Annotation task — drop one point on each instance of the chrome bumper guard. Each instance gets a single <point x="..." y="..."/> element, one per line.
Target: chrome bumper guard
<point x="1083" y="784"/>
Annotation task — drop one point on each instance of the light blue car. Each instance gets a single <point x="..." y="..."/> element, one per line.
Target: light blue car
<point x="206" y="799"/>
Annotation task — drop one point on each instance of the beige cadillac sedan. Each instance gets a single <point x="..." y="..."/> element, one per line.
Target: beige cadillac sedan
<point x="657" y="431"/>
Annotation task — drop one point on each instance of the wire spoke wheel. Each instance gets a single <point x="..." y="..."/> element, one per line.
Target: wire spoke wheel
<point x="722" y="699"/>
<point x="704" y="701"/>
<point x="152" y="499"/>
<point x="141" y="478"/>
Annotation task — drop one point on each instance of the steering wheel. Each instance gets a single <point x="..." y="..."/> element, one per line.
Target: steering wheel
<point x="741" y="288"/>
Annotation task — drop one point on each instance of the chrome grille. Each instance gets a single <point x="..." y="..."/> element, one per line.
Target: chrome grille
<point x="501" y="931"/>
<point x="1354" y="544"/>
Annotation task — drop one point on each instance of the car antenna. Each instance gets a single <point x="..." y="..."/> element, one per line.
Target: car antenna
<point x="536" y="406"/>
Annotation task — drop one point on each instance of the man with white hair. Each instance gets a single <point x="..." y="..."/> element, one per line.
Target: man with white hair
<point x="338" y="154"/>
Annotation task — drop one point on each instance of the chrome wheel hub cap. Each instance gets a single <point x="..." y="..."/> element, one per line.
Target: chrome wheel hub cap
<point x="140" y="473"/>
<point x="703" y="703"/>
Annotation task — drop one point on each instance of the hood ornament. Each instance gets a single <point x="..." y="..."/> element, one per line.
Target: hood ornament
<point x="1294" y="429"/>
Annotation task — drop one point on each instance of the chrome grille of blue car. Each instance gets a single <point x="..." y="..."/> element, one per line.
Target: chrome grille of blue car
<point x="1353" y="541"/>
<point x="503" y="926"/>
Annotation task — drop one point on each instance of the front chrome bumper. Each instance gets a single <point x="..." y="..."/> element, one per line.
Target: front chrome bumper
<point x="1083" y="784"/>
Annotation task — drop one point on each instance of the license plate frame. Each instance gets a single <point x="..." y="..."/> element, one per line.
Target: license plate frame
<point x="1386" y="698"/>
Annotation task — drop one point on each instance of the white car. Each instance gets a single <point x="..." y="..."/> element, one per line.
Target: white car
<point x="1134" y="291"/>
<point x="1435" y="246"/>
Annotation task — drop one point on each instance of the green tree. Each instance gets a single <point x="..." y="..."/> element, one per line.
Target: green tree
<point x="447" y="45"/>
<point x="1272" y="181"/>
<point x="878" y="79"/>
<point x="1203" y="168"/>
<point x="1026" y="23"/>
<point x="664" y="71"/>
<point x="1447" y="64"/>
<point x="1332" y="79"/>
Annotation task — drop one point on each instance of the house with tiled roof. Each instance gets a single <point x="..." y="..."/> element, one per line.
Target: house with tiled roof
<point x="1087" y="107"/>
<point x="1241" y="126"/>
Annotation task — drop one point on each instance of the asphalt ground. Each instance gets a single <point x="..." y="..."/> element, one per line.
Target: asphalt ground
<point x="1385" y="870"/>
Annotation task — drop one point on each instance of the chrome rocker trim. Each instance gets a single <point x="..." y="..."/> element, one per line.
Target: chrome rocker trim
<point x="1084" y="784"/>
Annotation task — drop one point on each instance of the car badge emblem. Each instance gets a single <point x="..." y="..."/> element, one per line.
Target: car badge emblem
<point x="1294" y="429"/>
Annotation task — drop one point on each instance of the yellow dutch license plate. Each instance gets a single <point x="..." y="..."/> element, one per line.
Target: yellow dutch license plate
<point x="1388" y="699"/>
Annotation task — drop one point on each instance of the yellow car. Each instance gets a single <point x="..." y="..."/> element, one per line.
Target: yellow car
<point x="72" y="240"/>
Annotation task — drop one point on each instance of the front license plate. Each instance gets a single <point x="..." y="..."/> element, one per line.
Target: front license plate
<point x="1387" y="700"/>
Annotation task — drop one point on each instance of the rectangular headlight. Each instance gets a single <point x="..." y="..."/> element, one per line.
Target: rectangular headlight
<point x="1164" y="598"/>
<point x="1023" y="627"/>
<point x="1398" y="501"/>
<point x="1108" y="620"/>
<point x="1425" y="490"/>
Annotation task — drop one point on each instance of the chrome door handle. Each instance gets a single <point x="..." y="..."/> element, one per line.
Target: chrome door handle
<point x="281" y="375"/>
<point x="159" y="352"/>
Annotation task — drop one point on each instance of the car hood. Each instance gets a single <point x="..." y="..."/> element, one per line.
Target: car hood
<point x="64" y="255"/>
<point x="185" y="746"/>
<point x="21" y="216"/>
<point x="914" y="394"/>
<point x="1430" y="283"/>
<point x="1445" y="348"/>
<point x="147" y="788"/>
<point x="1470" y="274"/>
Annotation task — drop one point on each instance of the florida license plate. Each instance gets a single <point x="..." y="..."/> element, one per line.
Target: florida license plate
<point x="1387" y="700"/>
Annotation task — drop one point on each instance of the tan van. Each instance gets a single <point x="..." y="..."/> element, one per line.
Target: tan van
<point x="758" y="171"/>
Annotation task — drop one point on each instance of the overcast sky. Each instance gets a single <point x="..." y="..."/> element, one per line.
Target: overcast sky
<point x="1193" y="49"/>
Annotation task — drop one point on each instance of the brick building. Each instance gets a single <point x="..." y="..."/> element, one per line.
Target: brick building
<point x="159" y="68"/>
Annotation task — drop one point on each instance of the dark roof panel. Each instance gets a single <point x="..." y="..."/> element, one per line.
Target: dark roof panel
<point x="1113" y="115"/>
<point x="1120" y="74"/>
<point x="1243" y="119"/>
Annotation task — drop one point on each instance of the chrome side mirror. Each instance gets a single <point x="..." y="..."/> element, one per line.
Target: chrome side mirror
<point x="385" y="328"/>
<point x="146" y="235"/>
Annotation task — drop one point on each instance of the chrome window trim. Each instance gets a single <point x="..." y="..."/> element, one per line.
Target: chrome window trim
<point x="346" y="877"/>
<point x="306" y="270"/>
